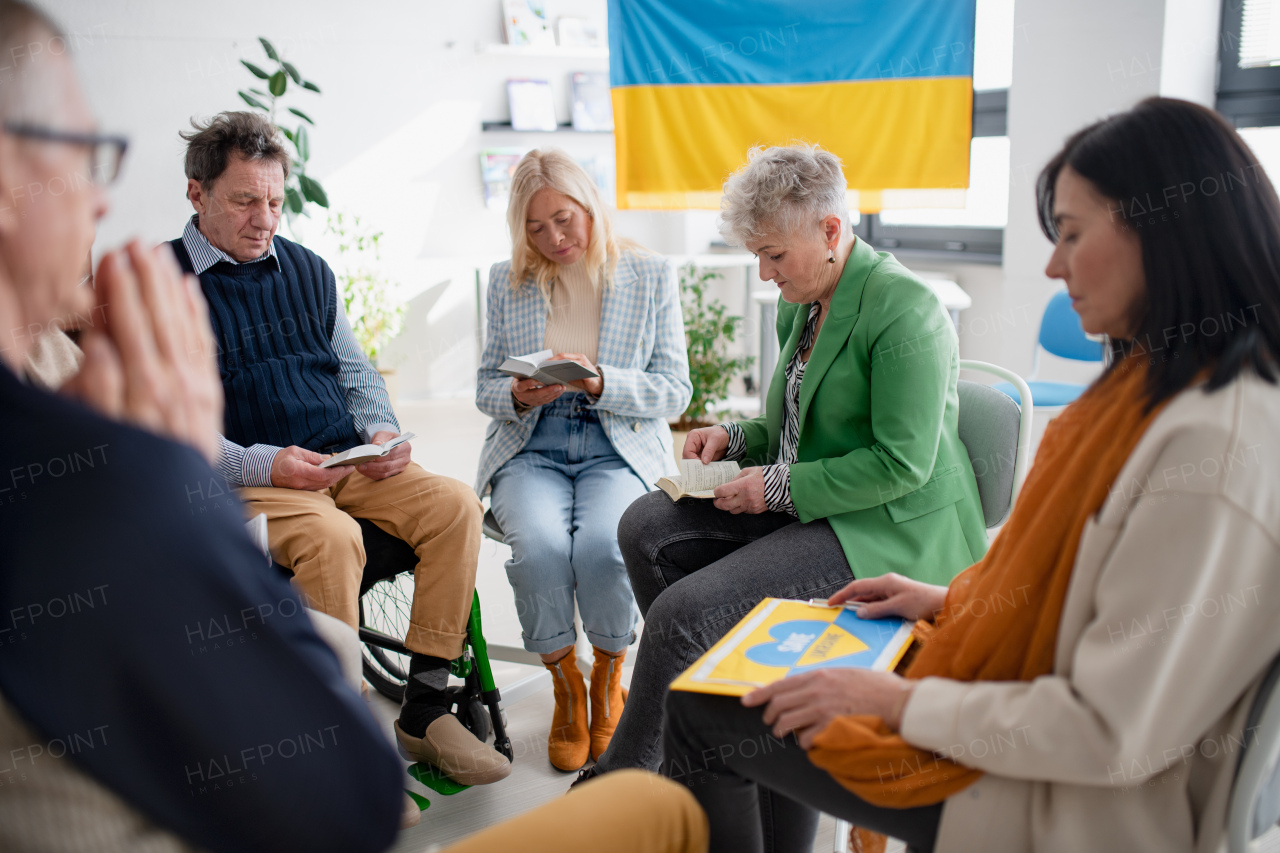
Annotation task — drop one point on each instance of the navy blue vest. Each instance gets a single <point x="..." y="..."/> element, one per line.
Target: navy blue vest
<point x="273" y="329"/>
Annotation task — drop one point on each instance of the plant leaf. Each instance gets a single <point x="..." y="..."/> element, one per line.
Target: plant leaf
<point x="293" y="72"/>
<point x="288" y="134"/>
<point x="312" y="190"/>
<point x="277" y="83"/>
<point x="258" y="91"/>
<point x="292" y="201"/>
<point x="300" y="114"/>
<point x="302" y="143"/>
<point x="252" y="101"/>
<point x="255" y="70"/>
<point x="271" y="51"/>
<point x="307" y="84"/>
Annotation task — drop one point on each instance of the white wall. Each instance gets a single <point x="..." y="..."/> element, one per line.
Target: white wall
<point x="1074" y="63"/>
<point x="405" y="87"/>
<point x="405" y="90"/>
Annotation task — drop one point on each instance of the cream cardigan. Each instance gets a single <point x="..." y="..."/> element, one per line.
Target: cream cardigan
<point x="1170" y="620"/>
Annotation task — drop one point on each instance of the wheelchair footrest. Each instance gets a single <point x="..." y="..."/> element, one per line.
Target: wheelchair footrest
<point x="434" y="779"/>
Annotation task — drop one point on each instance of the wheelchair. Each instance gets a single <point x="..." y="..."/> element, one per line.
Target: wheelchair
<point x="386" y="599"/>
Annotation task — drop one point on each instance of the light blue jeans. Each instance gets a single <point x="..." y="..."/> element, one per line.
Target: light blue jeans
<point x="558" y="502"/>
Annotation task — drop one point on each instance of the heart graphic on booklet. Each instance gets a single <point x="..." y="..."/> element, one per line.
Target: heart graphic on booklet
<point x="807" y="644"/>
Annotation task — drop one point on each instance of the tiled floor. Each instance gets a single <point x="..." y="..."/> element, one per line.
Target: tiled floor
<point x="450" y="434"/>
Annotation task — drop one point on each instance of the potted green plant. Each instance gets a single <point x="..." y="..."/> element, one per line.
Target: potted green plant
<point x="300" y="188"/>
<point x="375" y="316"/>
<point x="708" y="330"/>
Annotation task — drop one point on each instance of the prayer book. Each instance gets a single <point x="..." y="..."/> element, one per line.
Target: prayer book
<point x="365" y="452"/>
<point x="547" y="370"/>
<point x="780" y="638"/>
<point x="697" y="480"/>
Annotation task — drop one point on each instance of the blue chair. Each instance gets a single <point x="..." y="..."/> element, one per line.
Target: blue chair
<point x="1060" y="335"/>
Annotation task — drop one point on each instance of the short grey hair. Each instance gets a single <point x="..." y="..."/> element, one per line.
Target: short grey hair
<point x="211" y="144"/>
<point x="783" y="188"/>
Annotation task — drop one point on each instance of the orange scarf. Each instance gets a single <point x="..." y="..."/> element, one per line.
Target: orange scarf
<point x="1000" y="620"/>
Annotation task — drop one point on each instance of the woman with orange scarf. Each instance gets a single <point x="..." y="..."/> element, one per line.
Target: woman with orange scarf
<point x="1085" y="685"/>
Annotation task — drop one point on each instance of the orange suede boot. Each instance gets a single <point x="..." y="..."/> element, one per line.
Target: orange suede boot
<point x="568" y="743"/>
<point x="607" y="698"/>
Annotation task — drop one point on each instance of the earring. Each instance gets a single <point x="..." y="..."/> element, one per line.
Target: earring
<point x="832" y="258"/>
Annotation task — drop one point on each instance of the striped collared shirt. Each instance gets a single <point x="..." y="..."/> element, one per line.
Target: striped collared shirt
<point x="777" y="477"/>
<point x="365" y="391"/>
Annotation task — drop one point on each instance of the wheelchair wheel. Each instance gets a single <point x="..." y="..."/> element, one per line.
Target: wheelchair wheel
<point x="475" y="716"/>
<point x="385" y="608"/>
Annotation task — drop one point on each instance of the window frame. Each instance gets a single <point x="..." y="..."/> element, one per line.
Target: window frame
<point x="1248" y="97"/>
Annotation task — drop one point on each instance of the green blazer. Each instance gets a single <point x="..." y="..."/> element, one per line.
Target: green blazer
<point x="880" y="456"/>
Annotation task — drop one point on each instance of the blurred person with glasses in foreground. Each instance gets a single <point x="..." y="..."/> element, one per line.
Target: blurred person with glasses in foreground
<point x="123" y="724"/>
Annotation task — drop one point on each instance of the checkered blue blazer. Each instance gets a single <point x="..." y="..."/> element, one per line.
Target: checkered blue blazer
<point x="641" y="355"/>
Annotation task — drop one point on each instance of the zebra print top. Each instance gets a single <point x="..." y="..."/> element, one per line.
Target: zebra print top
<point x="777" y="477"/>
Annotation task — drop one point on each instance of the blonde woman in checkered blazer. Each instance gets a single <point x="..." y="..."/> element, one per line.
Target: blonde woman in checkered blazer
<point x="562" y="463"/>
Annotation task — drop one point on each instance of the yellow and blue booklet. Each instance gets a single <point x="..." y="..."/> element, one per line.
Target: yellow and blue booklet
<point x="781" y="637"/>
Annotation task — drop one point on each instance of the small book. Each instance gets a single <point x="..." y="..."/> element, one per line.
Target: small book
<point x="365" y="452"/>
<point x="780" y="638"/>
<point x="592" y="103"/>
<point x="547" y="370"/>
<point x="579" y="32"/>
<point x="525" y="23"/>
<point x="496" y="167"/>
<point x="697" y="480"/>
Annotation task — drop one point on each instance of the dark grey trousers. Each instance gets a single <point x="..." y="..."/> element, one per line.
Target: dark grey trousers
<point x="696" y="571"/>
<point x="761" y="793"/>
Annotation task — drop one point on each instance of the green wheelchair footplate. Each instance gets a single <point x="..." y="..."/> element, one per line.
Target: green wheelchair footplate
<point x="431" y="776"/>
<point x="422" y="802"/>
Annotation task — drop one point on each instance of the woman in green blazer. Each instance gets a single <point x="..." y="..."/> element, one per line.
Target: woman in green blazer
<point x="855" y="469"/>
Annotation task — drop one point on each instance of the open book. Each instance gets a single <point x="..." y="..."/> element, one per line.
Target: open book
<point x="780" y="638"/>
<point x="542" y="367"/>
<point x="697" y="480"/>
<point x="365" y="452"/>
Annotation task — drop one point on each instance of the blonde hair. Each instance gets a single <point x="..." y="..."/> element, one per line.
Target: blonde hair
<point x="554" y="169"/>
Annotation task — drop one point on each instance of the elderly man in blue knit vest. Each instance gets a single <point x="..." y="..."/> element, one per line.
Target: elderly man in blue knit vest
<point x="298" y="388"/>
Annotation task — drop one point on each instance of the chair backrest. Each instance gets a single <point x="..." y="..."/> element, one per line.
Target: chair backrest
<point x="490" y="527"/>
<point x="989" y="427"/>
<point x="1255" y="796"/>
<point x="1062" y="334"/>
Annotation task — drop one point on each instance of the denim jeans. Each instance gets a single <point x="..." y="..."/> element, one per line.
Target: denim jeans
<point x="696" y="571"/>
<point x="558" y="502"/>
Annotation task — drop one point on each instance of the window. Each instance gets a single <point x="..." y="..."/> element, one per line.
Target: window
<point x="987" y="199"/>
<point x="974" y="232"/>
<point x="1249" y="63"/>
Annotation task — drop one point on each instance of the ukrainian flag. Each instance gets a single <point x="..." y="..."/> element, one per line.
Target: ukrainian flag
<point x="887" y="85"/>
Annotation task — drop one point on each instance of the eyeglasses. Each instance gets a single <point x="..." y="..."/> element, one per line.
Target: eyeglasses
<point x="105" y="152"/>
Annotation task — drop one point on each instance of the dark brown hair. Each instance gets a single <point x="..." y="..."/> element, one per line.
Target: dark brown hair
<point x="1208" y="220"/>
<point x="210" y="145"/>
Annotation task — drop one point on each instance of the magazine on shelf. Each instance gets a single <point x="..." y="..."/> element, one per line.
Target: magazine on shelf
<point x="496" y="168"/>
<point x="579" y="32"/>
<point x="532" y="105"/>
<point x="525" y="23"/>
<point x="592" y="104"/>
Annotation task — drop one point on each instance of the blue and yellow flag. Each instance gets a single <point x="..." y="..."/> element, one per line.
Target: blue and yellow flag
<point x="886" y="85"/>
